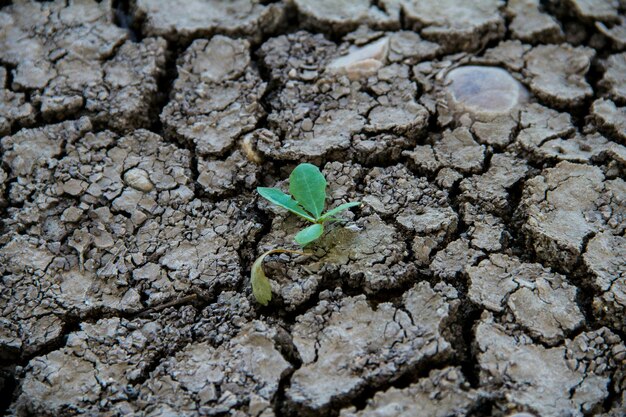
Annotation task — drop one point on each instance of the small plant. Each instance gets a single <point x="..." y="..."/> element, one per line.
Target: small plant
<point x="307" y="187"/>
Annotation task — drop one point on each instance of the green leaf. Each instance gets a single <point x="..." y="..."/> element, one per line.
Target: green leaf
<point x="261" y="287"/>
<point x="308" y="186"/>
<point x="308" y="235"/>
<point x="274" y="195"/>
<point x="339" y="209"/>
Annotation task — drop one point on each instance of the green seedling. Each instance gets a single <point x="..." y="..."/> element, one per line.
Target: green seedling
<point x="307" y="187"/>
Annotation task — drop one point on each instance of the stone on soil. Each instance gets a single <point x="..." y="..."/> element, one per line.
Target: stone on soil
<point x="484" y="92"/>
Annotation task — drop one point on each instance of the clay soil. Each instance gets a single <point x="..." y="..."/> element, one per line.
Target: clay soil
<point x="484" y="274"/>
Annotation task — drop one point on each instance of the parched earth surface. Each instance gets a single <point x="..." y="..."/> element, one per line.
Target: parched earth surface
<point x="484" y="274"/>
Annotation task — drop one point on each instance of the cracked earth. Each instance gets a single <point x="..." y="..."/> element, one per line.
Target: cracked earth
<point x="484" y="274"/>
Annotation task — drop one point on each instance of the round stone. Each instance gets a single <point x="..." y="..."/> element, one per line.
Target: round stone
<point x="138" y="179"/>
<point x="483" y="91"/>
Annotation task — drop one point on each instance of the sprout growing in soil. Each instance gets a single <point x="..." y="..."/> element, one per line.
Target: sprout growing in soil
<point x="307" y="186"/>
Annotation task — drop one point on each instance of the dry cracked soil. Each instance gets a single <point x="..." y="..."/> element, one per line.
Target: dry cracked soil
<point x="484" y="274"/>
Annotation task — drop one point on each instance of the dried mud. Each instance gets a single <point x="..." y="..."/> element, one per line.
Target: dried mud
<point x="484" y="274"/>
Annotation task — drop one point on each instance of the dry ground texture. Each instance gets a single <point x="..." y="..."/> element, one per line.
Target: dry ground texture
<point x="484" y="274"/>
